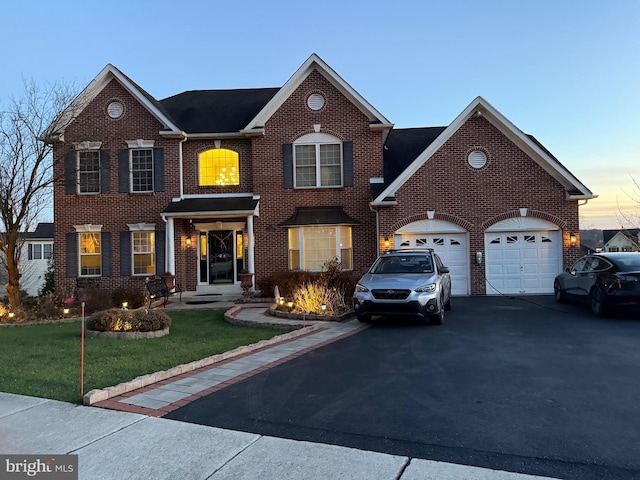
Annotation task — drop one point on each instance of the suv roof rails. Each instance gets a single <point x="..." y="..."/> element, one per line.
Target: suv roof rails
<point x="408" y="250"/>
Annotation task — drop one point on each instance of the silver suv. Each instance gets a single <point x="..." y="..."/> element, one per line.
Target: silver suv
<point x="404" y="282"/>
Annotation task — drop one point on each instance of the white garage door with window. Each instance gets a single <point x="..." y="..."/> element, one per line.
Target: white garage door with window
<point x="523" y="255"/>
<point x="448" y="240"/>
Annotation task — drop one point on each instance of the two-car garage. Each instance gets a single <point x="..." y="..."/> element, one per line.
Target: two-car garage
<point x="522" y="255"/>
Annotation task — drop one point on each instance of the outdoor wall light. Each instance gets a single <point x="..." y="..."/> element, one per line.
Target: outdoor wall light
<point x="573" y="240"/>
<point x="188" y="241"/>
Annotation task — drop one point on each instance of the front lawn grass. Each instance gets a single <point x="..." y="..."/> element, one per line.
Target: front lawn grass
<point x="44" y="360"/>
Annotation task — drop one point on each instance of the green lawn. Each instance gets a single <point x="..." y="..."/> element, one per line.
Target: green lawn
<point x="44" y="360"/>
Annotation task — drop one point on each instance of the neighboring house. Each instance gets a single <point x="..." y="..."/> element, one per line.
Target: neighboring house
<point x="207" y="183"/>
<point x="37" y="249"/>
<point x="627" y="240"/>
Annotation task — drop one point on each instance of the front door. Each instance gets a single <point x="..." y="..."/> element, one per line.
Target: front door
<point x="221" y="258"/>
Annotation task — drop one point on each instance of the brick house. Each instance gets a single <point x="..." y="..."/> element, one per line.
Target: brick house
<point x="207" y="183"/>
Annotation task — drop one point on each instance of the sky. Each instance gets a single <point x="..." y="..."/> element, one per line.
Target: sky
<point x="565" y="71"/>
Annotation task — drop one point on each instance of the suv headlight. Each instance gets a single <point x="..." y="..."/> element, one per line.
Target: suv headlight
<point x="426" y="288"/>
<point x="361" y="288"/>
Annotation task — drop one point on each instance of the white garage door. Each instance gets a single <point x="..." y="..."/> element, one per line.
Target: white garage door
<point x="521" y="262"/>
<point x="452" y="250"/>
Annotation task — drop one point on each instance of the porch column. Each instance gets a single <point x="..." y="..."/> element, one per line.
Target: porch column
<point x="170" y="258"/>
<point x="251" y="247"/>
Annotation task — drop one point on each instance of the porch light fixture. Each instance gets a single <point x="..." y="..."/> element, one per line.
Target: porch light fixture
<point x="187" y="241"/>
<point x="573" y="240"/>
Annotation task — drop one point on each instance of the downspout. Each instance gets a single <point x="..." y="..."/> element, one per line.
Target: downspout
<point x="377" y="229"/>
<point x="182" y="140"/>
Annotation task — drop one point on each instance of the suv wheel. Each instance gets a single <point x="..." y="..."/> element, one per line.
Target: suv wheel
<point x="364" y="318"/>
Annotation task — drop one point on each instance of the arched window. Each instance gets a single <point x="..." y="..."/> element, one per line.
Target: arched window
<point x="219" y="167"/>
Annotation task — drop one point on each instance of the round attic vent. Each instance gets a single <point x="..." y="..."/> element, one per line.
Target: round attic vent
<point x="115" y="109"/>
<point x="315" y="101"/>
<point x="477" y="159"/>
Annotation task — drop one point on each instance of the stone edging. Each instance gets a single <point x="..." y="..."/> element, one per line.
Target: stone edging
<point x="126" y="335"/>
<point x="310" y="316"/>
<point x="99" y="395"/>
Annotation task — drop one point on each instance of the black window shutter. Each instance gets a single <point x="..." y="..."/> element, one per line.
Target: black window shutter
<point x="70" y="169"/>
<point x="105" y="171"/>
<point x="160" y="249"/>
<point x="30" y="251"/>
<point x="123" y="170"/>
<point x="106" y="254"/>
<point x="158" y="169"/>
<point x="347" y="163"/>
<point x="125" y="254"/>
<point x="287" y="165"/>
<point x="72" y="254"/>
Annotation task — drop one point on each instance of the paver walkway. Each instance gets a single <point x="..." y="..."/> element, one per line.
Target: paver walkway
<point x="162" y="397"/>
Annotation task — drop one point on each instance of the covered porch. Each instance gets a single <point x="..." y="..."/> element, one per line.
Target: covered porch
<point x="210" y="242"/>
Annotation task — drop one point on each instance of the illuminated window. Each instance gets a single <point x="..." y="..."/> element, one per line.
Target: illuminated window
<point x="311" y="247"/>
<point x="219" y="167"/>
<point x="143" y="253"/>
<point x="90" y="254"/>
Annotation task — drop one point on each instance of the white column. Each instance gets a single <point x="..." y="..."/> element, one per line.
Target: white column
<point x="251" y="248"/>
<point x="170" y="257"/>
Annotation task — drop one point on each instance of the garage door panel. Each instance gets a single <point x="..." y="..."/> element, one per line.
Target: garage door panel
<point x="451" y="248"/>
<point x="522" y="262"/>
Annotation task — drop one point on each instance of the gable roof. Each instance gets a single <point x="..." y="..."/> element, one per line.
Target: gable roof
<point x="479" y="106"/>
<point x="314" y="62"/>
<point x="630" y="233"/>
<point x="108" y="73"/>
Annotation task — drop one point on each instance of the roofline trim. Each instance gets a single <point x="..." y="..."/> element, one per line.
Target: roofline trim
<point x="479" y="106"/>
<point x="314" y="62"/>
<point x="92" y="90"/>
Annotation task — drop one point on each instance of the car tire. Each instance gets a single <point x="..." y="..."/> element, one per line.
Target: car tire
<point x="447" y="306"/>
<point x="558" y="293"/>
<point x="597" y="301"/>
<point x="364" y="318"/>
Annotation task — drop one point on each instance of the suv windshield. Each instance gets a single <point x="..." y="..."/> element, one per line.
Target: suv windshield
<point x="403" y="264"/>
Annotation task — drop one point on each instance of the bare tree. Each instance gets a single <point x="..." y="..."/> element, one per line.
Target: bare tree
<point x="629" y="216"/>
<point x="26" y="169"/>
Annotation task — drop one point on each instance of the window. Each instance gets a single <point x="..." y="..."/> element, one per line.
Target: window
<point x="318" y="165"/>
<point x="219" y="167"/>
<point x="143" y="253"/>
<point x="311" y="247"/>
<point x="142" y="170"/>
<point x="39" y="251"/>
<point x="89" y="171"/>
<point x="90" y="254"/>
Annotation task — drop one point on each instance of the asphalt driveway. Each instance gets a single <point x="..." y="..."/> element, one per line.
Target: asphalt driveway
<point x="519" y="384"/>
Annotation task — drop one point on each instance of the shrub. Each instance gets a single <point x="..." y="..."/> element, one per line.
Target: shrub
<point x="116" y="320"/>
<point x="134" y="297"/>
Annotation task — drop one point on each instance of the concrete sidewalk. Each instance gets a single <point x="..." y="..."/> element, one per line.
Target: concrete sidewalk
<point x="128" y="439"/>
<point x="120" y="445"/>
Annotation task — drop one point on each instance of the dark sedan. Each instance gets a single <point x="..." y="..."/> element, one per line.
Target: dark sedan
<point x="606" y="280"/>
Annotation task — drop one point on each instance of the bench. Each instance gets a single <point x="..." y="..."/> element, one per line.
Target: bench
<point x="157" y="289"/>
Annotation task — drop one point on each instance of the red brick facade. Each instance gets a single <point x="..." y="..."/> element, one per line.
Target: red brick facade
<point x="445" y="184"/>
